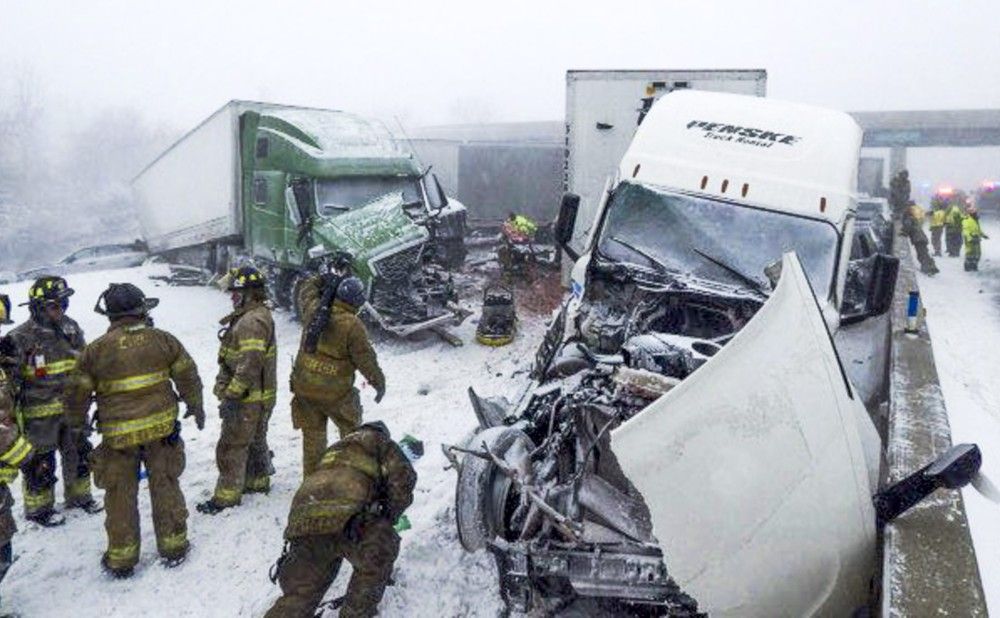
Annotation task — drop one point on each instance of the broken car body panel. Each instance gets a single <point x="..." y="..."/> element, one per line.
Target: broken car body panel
<point x="759" y="468"/>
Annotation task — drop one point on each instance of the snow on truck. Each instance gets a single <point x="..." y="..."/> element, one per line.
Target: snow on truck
<point x="289" y="187"/>
<point x="689" y="440"/>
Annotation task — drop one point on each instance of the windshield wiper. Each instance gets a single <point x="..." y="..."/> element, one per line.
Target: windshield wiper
<point x="660" y="266"/>
<point x="753" y="283"/>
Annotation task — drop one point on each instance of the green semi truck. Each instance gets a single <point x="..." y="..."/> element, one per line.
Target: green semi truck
<point x="287" y="187"/>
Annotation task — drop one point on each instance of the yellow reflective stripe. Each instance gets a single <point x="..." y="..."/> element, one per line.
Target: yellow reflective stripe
<point x="173" y="542"/>
<point x="79" y="488"/>
<point x="257" y="483"/>
<point x="7" y="474"/>
<point x="271" y="352"/>
<point x="365" y="465"/>
<point x="123" y="554"/>
<point x="133" y="383"/>
<point x="226" y="496"/>
<point x="252" y="345"/>
<point x="125" y="427"/>
<point x="17" y="452"/>
<point x="181" y="365"/>
<point x="51" y="369"/>
<point x="62" y="366"/>
<point x="324" y="508"/>
<point x="258" y="396"/>
<point x="54" y="408"/>
<point x="34" y="501"/>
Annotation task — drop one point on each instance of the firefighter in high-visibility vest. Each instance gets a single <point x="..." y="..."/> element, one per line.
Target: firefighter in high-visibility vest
<point x="46" y="348"/>
<point x="953" y="229"/>
<point x="937" y="227"/>
<point x="972" y="234"/>
<point x="912" y="226"/>
<point x="15" y="449"/>
<point x="134" y="370"/>
<point x="246" y="387"/>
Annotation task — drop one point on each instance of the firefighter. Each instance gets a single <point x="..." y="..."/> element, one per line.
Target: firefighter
<point x="345" y="510"/>
<point x="972" y="234"/>
<point x="323" y="376"/>
<point x="953" y="229"/>
<point x="245" y="387"/>
<point x="134" y="369"/>
<point x="899" y="193"/>
<point x="46" y="348"/>
<point x="912" y="226"/>
<point x="937" y="227"/>
<point x="15" y="449"/>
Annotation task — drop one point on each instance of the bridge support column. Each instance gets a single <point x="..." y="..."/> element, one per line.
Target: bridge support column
<point x="897" y="159"/>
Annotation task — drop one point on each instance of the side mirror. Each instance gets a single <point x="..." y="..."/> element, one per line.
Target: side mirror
<point x="442" y="196"/>
<point x="566" y="222"/>
<point x="953" y="470"/>
<point x="870" y="287"/>
<point x="883" y="284"/>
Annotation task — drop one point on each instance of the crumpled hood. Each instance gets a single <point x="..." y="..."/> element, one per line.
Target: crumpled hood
<point x="372" y="230"/>
<point x="759" y="468"/>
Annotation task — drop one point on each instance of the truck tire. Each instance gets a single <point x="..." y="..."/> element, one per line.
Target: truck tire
<point x="482" y="491"/>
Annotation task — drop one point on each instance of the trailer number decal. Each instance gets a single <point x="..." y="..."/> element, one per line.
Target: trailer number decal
<point x="742" y="135"/>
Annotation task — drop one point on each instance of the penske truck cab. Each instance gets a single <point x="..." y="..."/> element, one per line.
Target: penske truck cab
<point x="719" y="186"/>
<point x="689" y="438"/>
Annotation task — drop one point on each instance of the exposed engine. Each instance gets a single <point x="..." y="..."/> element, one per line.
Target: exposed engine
<point x="541" y="488"/>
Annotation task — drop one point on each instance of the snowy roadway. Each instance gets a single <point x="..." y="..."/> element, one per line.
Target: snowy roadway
<point x="57" y="571"/>
<point x="963" y="317"/>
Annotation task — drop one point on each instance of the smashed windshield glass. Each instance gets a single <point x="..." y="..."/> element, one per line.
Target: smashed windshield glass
<point x="337" y="196"/>
<point x="711" y="239"/>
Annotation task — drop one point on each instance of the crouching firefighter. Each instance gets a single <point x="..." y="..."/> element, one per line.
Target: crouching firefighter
<point x="345" y="510"/>
<point x="46" y="348"/>
<point x="15" y="449"/>
<point x="130" y="369"/>
<point x="323" y="374"/>
<point x="245" y="387"/>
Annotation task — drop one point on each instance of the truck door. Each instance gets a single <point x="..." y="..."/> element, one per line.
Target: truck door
<point x="266" y="213"/>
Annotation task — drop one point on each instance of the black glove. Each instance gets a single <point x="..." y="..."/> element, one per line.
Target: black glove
<point x="229" y="408"/>
<point x="199" y="416"/>
<point x="379" y="394"/>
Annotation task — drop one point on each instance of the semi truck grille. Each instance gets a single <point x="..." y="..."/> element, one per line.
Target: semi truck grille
<point x="399" y="266"/>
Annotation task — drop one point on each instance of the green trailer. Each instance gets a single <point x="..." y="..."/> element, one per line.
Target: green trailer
<point x="286" y="187"/>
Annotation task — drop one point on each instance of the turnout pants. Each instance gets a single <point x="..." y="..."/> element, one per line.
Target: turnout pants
<point x="116" y="471"/>
<point x="936" y="233"/>
<point x="40" y="471"/>
<point x="242" y="455"/>
<point x="311" y="415"/>
<point x="953" y="241"/>
<point x="313" y="562"/>
<point x="973" y="250"/>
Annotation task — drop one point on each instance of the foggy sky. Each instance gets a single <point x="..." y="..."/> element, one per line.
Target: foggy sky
<point x="433" y="62"/>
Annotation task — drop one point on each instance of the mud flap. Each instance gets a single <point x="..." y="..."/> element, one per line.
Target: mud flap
<point x="759" y="469"/>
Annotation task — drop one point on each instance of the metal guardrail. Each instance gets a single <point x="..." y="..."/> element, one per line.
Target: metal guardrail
<point x="929" y="563"/>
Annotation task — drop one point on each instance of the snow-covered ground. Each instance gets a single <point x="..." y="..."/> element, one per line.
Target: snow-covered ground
<point x="57" y="572"/>
<point x="963" y="316"/>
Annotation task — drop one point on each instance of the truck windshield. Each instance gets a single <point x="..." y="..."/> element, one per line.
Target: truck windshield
<point x="711" y="239"/>
<point x="340" y="195"/>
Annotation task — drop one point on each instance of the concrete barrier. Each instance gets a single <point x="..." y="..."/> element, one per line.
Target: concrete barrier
<point x="929" y="564"/>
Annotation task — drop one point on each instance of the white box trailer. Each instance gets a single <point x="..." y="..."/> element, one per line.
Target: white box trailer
<point x="190" y="194"/>
<point x="603" y="110"/>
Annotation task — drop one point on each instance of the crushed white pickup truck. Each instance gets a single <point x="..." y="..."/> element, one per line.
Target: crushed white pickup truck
<point x="689" y="440"/>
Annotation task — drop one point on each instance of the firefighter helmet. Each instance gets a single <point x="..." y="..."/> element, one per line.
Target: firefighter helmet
<point x="5" y="310"/>
<point x="49" y="289"/>
<point x="351" y="292"/>
<point x="245" y="278"/>
<point x="124" y="299"/>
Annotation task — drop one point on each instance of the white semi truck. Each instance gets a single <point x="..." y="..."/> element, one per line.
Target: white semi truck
<point x="689" y="439"/>
<point x="603" y="111"/>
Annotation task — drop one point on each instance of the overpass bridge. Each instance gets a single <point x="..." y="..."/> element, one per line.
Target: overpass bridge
<point x="899" y="131"/>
